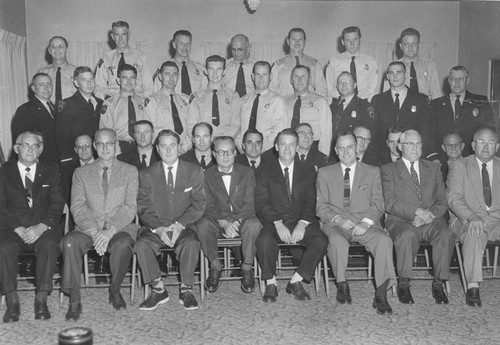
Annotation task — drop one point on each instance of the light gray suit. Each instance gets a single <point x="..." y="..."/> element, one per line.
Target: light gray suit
<point x="465" y="197"/>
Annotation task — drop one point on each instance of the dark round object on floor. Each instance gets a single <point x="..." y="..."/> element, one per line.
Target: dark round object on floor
<point x="76" y="335"/>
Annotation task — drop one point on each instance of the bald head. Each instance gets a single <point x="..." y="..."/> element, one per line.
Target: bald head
<point x="240" y="47"/>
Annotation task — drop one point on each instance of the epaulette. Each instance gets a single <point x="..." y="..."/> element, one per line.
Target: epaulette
<point x="60" y="106"/>
<point x="99" y="64"/>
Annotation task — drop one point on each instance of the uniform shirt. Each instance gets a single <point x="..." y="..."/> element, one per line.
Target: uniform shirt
<point x="107" y="68"/>
<point x="200" y="110"/>
<point x="271" y="116"/>
<point x="158" y="110"/>
<point x="114" y="114"/>
<point x="315" y="111"/>
<point x="282" y="70"/>
<point x="67" y="87"/>
<point x="427" y="76"/>
<point x="231" y="74"/>
<point x="366" y="74"/>
<point x="195" y="70"/>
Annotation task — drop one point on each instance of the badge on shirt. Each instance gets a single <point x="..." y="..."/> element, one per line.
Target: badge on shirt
<point x="140" y="106"/>
<point x="311" y="104"/>
<point x="413" y="108"/>
<point x="110" y="68"/>
<point x="367" y="67"/>
<point x="353" y="114"/>
<point x="425" y="73"/>
<point x="99" y="64"/>
<point x="371" y="112"/>
<point x="197" y="72"/>
<point x="104" y="108"/>
<point x="267" y="105"/>
<point x="146" y="101"/>
<point x="475" y="112"/>
<point x="227" y="101"/>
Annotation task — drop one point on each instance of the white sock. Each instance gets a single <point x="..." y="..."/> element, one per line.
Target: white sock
<point x="158" y="285"/>
<point x="472" y="285"/>
<point x="296" y="278"/>
<point x="271" y="281"/>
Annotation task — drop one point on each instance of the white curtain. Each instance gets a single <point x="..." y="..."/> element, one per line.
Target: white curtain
<point x="13" y="83"/>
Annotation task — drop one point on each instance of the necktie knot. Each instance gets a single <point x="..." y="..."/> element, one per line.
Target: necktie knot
<point x="241" y="64"/>
<point x="214" y="91"/>
<point x="169" y="168"/>
<point x="129" y="98"/>
<point x="28" y="169"/>
<point x="298" y="97"/>
<point x="458" y="98"/>
<point x="286" y="170"/>
<point x="352" y="58"/>
<point x="347" y="170"/>
<point x="183" y="63"/>
<point x="302" y="157"/>
<point x="258" y="95"/>
<point x="105" y="168"/>
<point x="252" y="162"/>
<point x="484" y="165"/>
<point x="396" y="95"/>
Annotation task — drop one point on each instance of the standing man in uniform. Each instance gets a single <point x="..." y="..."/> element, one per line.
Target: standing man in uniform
<point x="145" y="153"/>
<point x="120" y="112"/>
<point x="216" y="104"/>
<point x="282" y="68"/>
<point x="201" y="153"/>
<point x="238" y="72"/>
<point x="415" y="202"/>
<point x="168" y="109"/>
<point x="111" y="62"/>
<point x="60" y="70"/>
<point x="363" y="68"/>
<point x="263" y="109"/>
<point x="305" y="106"/>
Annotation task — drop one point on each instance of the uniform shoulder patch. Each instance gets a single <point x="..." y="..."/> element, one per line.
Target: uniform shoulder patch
<point x="104" y="108"/>
<point x="371" y="111"/>
<point x="146" y="101"/>
<point x="60" y="106"/>
<point x="99" y="64"/>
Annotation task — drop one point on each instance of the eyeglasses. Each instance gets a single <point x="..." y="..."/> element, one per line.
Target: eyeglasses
<point x="346" y="148"/>
<point x="412" y="145"/>
<point x="27" y="146"/>
<point x="229" y="152"/>
<point x="363" y="139"/>
<point x="83" y="147"/>
<point x="305" y="134"/>
<point x="107" y="145"/>
<point x="481" y="142"/>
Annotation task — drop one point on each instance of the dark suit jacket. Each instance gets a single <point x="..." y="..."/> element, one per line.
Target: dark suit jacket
<point x="240" y="198"/>
<point x="271" y="197"/>
<point x="371" y="156"/>
<point x="413" y="114"/>
<point x="156" y="207"/>
<point x="357" y="113"/>
<point x="316" y="159"/>
<point x="48" y="200"/>
<point x="475" y="112"/>
<point x="400" y="194"/>
<point x="132" y="157"/>
<point x="34" y="116"/>
<point x="190" y="156"/>
<point x="76" y="117"/>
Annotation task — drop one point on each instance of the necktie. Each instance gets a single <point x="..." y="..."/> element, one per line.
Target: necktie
<point x="58" y="85"/>
<point x="352" y="68"/>
<point x="51" y="109"/>
<point x="121" y="63"/>
<point x="458" y="107"/>
<point x="296" y="112"/>
<point x="396" y="104"/>
<point x="240" y="82"/>
<point x="413" y="79"/>
<point x="302" y="158"/>
<point x="252" y="162"/>
<point x="253" y="114"/>
<point x="202" y="162"/>
<point x="347" y="188"/>
<point x="287" y="181"/>
<point x="91" y="104"/>
<point x="486" y="185"/>
<point x="414" y="177"/>
<point x="105" y="184"/>
<point x="170" y="181"/>
<point x="185" y="83"/>
<point x="215" y="109"/>
<point x="143" y="161"/>
<point x="297" y="62"/>
<point x="28" y="182"/>
<point x="175" y="116"/>
<point x="131" y="117"/>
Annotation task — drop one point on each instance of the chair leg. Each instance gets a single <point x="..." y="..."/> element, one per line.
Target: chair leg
<point x="427" y="261"/>
<point x="317" y="276"/>
<point x="2" y="302"/>
<point x="461" y="266"/>
<point x="325" y="276"/>
<point x="61" y="299"/>
<point x="495" y="262"/>
<point x="132" y="279"/>
<point x="86" y="269"/>
<point x="370" y="268"/>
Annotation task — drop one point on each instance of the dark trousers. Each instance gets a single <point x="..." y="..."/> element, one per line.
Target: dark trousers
<point x="315" y="244"/>
<point x="186" y="248"/>
<point x="209" y="231"/>
<point x="75" y="244"/>
<point x="45" y="249"/>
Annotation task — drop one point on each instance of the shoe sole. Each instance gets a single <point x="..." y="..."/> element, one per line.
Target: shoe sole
<point x="165" y="300"/>
<point x="381" y="313"/>
<point x="190" y="308"/>
<point x="306" y="298"/>
<point x="269" y="300"/>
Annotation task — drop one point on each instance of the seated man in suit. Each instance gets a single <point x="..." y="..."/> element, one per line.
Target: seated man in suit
<point x="230" y="212"/>
<point x="103" y="204"/>
<point x="478" y="212"/>
<point x="366" y="151"/>
<point x="201" y="153"/>
<point x="350" y="204"/>
<point x="145" y="153"/>
<point x="415" y="202"/>
<point x="252" y="149"/>
<point x="171" y="199"/>
<point x="308" y="153"/>
<point x="453" y="146"/>
<point x="285" y="201"/>
<point x="31" y="204"/>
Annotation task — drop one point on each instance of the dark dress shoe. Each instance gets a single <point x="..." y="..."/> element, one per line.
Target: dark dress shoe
<point x="247" y="281"/>
<point x="154" y="300"/>
<point x="404" y="294"/>
<point x="188" y="301"/>
<point x="343" y="293"/>
<point x="471" y="297"/>
<point x="213" y="280"/>
<point x="74" y="311"/>
<point x="439" y="294"/>
<point x="271" y="293"/>
<point x="12" y="312"/>
<point x="41" y="310"/>
<point x="298" y="291"/>
<point x="380" y="303"/>
<point x="116" y="299"/>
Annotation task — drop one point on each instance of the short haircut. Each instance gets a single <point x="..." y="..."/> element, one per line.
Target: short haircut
<point x="126" y="67"/>
<point x="261" y="63"/>
<point x="302" y="66"/>
<point x="402" y="138"/>
<point x="215" y="58"/>
<point x="37" y="134"/>
<point x="105" y="130"/>
<point x="81" y="136"/>
<point x="252" y="131"/>
<point x="483" y="129"/>
<point x="450" y="134"/>
<point x="303" y="124"/>
<point x="350" y="30"/>
<point x="143" y="122"/>
<point x="168" y="64"/>
<point x="287" y="131"/>
<point x="182" y="33"/>
<point x="345" y="134"/>
<point x="205" y="124"/>
<point x="297" y="30"/>
<point x="224" y="138"/>
<point x="460" y="68"/>
<point x="167" y="133"/>
<point x="59" y="37"/>
<point x="38" y="75"/>
<point x="410" y="32"/>
<point x="393" y="130"/>
<point x="397" y="63"/>
<point x="362" y="127"/>
<point x="81" y="69"/>
<point x="119" y="24"/>
<point x="346" y="73"/>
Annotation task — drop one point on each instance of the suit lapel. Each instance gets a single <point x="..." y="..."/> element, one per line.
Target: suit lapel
<point x="16" y="177"/>
<point x="424" y="179"/>
<point x="475" y="177"/>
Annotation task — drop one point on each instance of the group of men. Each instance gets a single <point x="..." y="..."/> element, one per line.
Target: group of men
<point x="257" y="152"/>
